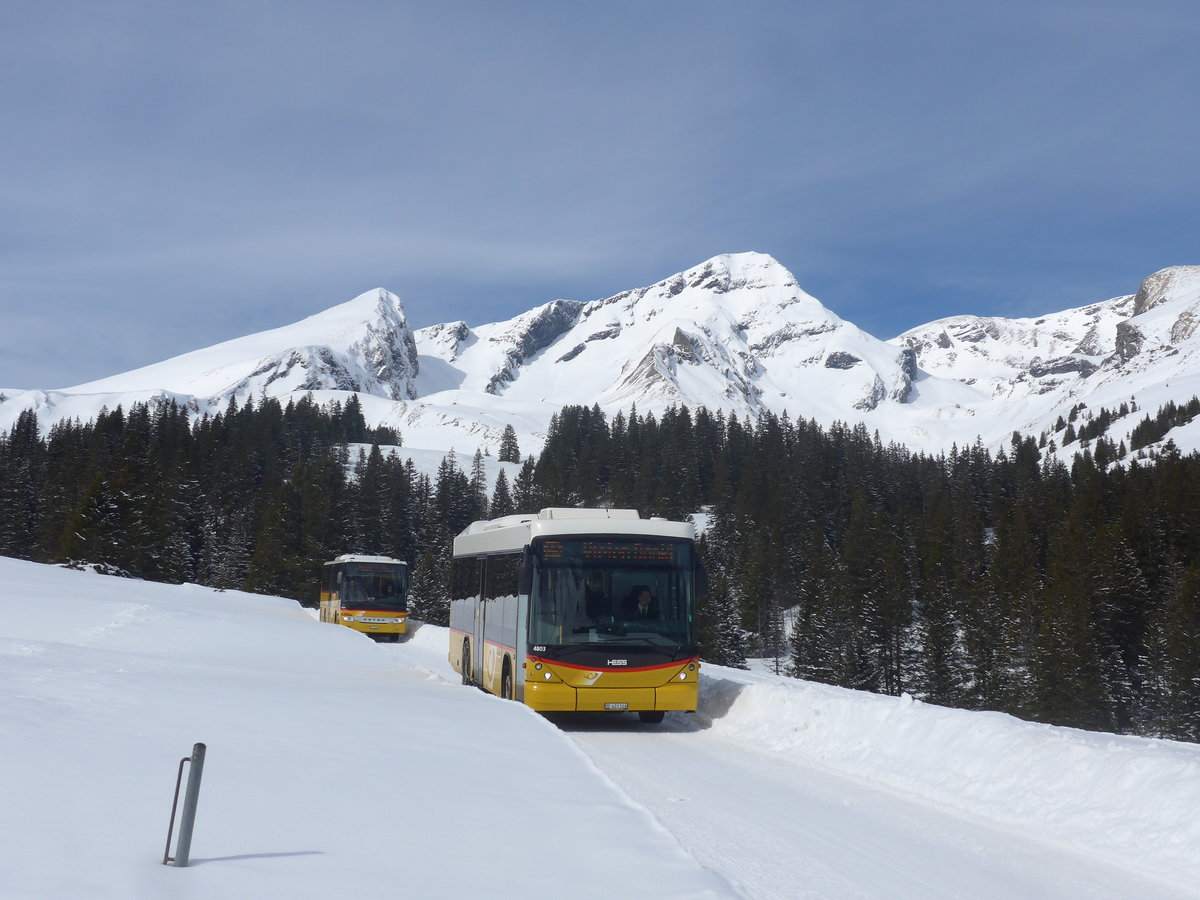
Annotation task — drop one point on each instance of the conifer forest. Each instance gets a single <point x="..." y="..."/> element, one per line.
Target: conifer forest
<point x="1006" y="581"/>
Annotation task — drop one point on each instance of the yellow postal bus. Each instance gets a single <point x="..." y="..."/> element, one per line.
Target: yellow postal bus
<point x="366" y="593"/>
<point x="578" y="609"/>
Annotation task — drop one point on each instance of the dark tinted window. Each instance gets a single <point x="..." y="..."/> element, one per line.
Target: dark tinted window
<point x="464" y="578"/>
<point x="501" y="578"/>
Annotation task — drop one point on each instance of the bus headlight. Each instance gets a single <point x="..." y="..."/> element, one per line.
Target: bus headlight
<point x="683" y="676"/>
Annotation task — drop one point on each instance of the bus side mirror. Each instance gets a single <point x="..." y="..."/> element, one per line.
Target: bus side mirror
<point x="525" y="572"/>
<point x="701" y="580"/>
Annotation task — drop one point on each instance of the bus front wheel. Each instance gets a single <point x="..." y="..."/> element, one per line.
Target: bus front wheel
<point x="651" y="716"/>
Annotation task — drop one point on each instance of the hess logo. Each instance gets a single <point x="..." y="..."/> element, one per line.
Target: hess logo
<point x="618" y="662"/>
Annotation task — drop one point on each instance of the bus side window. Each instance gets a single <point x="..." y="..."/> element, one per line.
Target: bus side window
<point x="465" y="579"/>
<point x="501" y="576"/>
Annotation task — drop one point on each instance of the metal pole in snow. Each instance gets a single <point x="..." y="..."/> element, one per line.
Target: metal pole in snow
<point x="188" y="817"/>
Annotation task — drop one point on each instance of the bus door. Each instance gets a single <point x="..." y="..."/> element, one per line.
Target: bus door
<point x="477" y="640"/>
<point x="479" y="629"/>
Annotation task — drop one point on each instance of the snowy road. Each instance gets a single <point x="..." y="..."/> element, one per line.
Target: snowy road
<point x="784" y="831"/>
<point x="779" y="827"/>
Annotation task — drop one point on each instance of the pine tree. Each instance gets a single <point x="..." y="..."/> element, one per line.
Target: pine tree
<point x="1121" y="609"/>
<point x="403" y="506"/>
<point x="171" y="526"/>
<point x="429" y="596"/>
<point x="93" y="533"/>
<point x="509" y="450"/>
<point x="22" y="482"/>
<point x="941" y="675"/>
<point x="369" y="505"/>
<point x="719" y="626"/>
<point x="479" y="493"/>
<point x="1173" y="676"/>
<point x="225" y="546"/>
<point x="303" y="527"/>
<point x="456" y="502"/>
<point x="526" y="497"/>
<point x="502" y="502"/>
<point x="1067" y="670"/>
<point x="818" y="626"/>
<point x="279" y="564"/>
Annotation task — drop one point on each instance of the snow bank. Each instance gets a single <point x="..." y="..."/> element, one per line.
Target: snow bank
<point x="1130" y="800"/>
<point x="333" y="769"/>
<point x="341" y="767"/>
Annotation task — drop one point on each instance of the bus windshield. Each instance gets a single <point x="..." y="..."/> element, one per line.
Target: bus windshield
<point x="612" y="590"/>
<point x="374" y="586"/>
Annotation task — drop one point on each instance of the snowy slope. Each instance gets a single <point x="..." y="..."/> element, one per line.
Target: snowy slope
<point x="332" y="768"/>
<point x="361" y="345"/>
<point x="340" y="767"/>
<point x="735" y="333"/>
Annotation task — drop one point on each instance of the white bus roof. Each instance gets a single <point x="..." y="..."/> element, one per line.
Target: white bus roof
<point x="511" y="533"/>
<point x="363" y="558"/>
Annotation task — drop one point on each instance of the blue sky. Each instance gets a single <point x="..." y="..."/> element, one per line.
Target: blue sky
<point x="176" y="175"/>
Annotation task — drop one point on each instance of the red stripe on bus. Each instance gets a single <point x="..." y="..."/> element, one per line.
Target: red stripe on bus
<point x="678" y="663"/>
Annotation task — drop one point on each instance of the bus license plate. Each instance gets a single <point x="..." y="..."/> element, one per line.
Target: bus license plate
<point x="616" y="706"/>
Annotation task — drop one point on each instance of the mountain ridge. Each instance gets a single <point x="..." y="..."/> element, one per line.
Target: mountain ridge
<point x="735" y="332"/>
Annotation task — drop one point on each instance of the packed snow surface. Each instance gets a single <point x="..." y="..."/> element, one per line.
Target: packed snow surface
<point x="332" y="770"/>
<point x="340" y="767"/>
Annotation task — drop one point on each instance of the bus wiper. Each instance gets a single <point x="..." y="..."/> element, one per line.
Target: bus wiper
<point x="555" y="650"/>
<point x="605" y="628"/>
<point x="672" y="649"/>
<point x="631" y="638"/>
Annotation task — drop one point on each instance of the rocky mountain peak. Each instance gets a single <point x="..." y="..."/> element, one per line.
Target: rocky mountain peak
<point x="1165" y="285"/>
<point x="733" y="271"/>
<point x="529" y="334"/>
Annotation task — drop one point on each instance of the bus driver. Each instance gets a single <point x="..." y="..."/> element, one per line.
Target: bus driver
<point x="640" y="604"/>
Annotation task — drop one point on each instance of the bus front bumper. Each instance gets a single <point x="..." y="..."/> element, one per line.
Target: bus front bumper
<point x="369" y="624"/>
<point x="559" y="697"/>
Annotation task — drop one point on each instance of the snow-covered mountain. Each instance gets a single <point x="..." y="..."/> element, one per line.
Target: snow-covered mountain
<point x="1140" y="349"/>
<point x="363" y="345"/>
<point x="735" y="333"/>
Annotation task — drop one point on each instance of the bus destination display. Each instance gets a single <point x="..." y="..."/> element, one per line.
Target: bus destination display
<point x="610" y="551"/>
